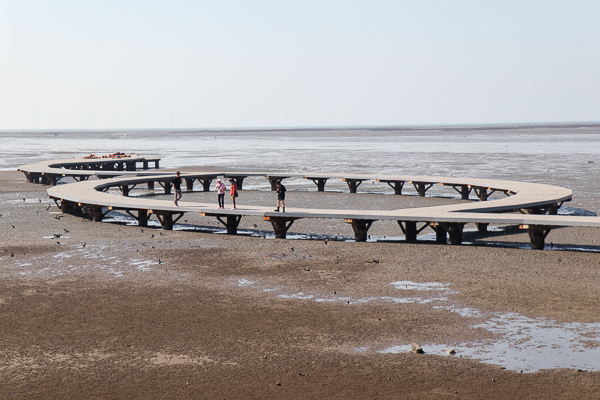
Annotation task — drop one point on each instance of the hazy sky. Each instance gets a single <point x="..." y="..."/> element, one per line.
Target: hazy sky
<point x="201" y="64"/>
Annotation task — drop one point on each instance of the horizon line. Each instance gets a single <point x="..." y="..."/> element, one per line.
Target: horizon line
<point x="307" y="127"/>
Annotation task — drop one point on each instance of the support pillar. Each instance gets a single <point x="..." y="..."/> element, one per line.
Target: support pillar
<point x="96" y="213"/>
<point x="410" y="230"/>
<point x="93" y="211"/>
<point x="397" y="186"/>
<point x="125" y="190"/>
<point x="166" y="221"/>
<point x="280" y="225"/>
<point x="421" y="188"/>
<point x="231" y="222"/>
<point x="150" y="185"/>
<point x="189" y="184"/>
<point x="320" y="182"/>
<point x="353" y="184"/>
<point x="167" y="187"/>
<point x="481" y="227"/>
<point x="361" y="228"/>
<point x="67" y="207"/>
<point x="464" y="191"/>
<point x="440" y="234"/>
<point x="482" y="193"/>
<point x="142" y="218"/>
<point x="206" y="184"/>
<point x="537" y="235"/>
<point x="166" y="218"/>
<point x="455" y="232"/>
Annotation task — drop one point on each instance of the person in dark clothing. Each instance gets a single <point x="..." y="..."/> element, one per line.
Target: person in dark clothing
<point x="177" y="187"/>
<point x="280" y="196"/>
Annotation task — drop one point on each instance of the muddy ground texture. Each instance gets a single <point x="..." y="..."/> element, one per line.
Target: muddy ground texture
<point x="109" y="310"/>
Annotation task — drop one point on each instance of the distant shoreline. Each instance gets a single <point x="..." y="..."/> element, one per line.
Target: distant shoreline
<point x="341" y="129"/>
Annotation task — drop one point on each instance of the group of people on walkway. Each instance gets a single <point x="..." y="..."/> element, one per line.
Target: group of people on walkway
<point x="221" y="188"/>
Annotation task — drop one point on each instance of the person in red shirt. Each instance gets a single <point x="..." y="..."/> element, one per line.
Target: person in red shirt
<point x="233" y="191"/>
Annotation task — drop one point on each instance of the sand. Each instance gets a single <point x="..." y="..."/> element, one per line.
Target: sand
<point x="106" y="310"/>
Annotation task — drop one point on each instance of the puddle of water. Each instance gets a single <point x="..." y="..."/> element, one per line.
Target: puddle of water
<point x="566" y="210"/>
<point x="96" y="257"/>
<point x="241" y="282"/>
<point x="142" y="265"/>
<point x="271" y="289"/>
<point x="27" y="201"/>
<point x="299" y="295"/>
<point x="408" y="285"/>
<point x="527" y="344"/>
<point x="524" y="344"/>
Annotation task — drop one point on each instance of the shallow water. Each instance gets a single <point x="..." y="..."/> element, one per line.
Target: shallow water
<point x="96" y="259"/>
<point x="566" y="157"/>
<point x="522" y="344"/>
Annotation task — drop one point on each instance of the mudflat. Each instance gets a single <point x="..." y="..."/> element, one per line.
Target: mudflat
<point x="107" y="310"/>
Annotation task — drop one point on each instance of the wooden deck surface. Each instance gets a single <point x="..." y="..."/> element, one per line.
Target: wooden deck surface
<point x="528" y="195"/>
<point x="525" y="204"/>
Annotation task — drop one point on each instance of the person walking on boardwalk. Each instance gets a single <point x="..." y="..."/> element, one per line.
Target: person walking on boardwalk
<point x="233" y="191"/>
<point x="220" y="189"/>
<point x="280" y="196"/>
<point x="177" y="187"/>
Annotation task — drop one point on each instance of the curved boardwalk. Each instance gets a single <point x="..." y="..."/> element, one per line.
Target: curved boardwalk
<point x="532" y="206"/>
<point x="81" y="169"/>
